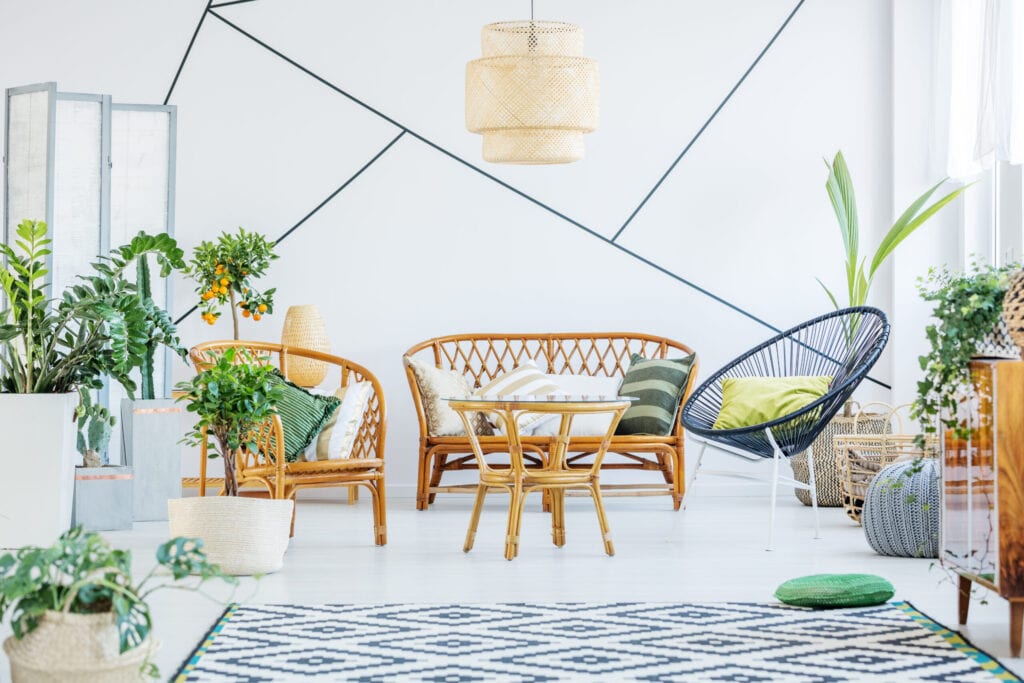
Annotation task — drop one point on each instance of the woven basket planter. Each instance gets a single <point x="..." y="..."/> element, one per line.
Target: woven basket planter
<point x="826" y="474"/>
<point x="1013" y="309"/>
<point x="76" y="647"/>
<point x="243" y="535"/>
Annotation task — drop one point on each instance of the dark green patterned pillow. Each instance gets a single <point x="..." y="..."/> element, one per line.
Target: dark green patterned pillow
<point x="659" y="384"/>
<point x="835" y="590"/>
<point x="303" y="415"/>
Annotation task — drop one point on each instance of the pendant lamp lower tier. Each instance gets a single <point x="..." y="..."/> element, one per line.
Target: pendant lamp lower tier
<point x="532" y="95"/>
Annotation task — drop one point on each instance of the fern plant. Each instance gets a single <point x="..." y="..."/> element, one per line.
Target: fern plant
<point x="98" y="326"/>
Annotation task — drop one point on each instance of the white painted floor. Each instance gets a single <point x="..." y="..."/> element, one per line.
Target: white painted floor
<point x="713" y="551"/>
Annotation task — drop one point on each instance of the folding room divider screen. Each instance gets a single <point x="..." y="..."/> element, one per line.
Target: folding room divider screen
<point x="97" y="173"/>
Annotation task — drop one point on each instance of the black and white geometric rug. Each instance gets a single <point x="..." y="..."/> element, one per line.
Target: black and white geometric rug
<point x="623" y="641"/>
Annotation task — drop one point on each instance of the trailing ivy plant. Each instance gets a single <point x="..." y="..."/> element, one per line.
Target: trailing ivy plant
<point x="98" y="326"/>
<point x="82" y="574"/>
<point x="967" y="307"/>
<point x="232" y="398"/>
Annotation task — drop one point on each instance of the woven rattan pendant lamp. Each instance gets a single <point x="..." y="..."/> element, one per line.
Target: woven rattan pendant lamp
<point x="533" y="94"/>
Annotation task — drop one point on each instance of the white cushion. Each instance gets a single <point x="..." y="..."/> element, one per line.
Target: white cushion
<point x="524" y="380"/>
<point x="435" y="385"/>
<point x="595" y="424"/>
<point x="338" y="436"/>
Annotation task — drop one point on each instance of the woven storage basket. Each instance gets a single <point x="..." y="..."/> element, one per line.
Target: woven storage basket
<point x="243" y="535"/>
<point x="76" y="647"/>
<point x="1013" y="309"/>
<point x="304" y="328"/>
<point x="826" y="476"/>
<point x="860" y="457"/>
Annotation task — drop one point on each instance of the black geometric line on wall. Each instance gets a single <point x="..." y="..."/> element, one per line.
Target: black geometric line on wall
<point x="319" y="206"/>
<point x="412" y="133"/>
<point x="188" y="50"/>
<point x="709" y="120"/>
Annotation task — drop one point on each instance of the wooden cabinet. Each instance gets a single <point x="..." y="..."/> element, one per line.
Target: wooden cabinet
<point x="983" y="492"/>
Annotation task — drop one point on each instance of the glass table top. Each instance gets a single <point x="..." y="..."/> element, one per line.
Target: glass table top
<point x="546" y="398"/>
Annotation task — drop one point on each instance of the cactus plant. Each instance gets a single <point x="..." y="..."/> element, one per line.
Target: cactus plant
<point x="94" y="428"/>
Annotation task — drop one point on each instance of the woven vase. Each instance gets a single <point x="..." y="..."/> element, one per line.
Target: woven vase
<point x="304" y="328"/>
<point x="76" y="647"/>
<point x="998" y="343"/>
<point x="826" y="470"/>
<point x="1013" y="309"/>
<point x="243" y="535"/>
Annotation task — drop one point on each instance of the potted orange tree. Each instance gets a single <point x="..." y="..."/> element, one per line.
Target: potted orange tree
<point x="235" y="399"/>
<point x="225" y="272"/>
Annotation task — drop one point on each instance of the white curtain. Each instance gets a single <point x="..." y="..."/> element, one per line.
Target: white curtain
<point x="980" y="84"/>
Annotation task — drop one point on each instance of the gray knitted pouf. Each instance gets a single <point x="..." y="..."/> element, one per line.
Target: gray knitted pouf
<point x="901" y="510"/>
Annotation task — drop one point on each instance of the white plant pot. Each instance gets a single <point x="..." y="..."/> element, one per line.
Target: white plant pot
<point x="38" y="465"/>
<point x="76" y="647"/>
<point x="151" y="430"/>
<point x="243" y="535"/>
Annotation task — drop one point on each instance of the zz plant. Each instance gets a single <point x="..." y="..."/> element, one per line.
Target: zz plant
<point x="232" y="398"/>
<point x="98" y="326"/>
<point x="82" y="574"/>
<point x="967" y="308"/>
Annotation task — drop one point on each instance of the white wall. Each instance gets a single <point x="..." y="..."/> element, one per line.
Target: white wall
<point x="422" y="245"/>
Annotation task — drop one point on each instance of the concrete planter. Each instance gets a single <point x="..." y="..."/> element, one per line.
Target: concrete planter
<point x="150" y="432"/>
<point x="38" y="464"/>
<point x="103" y="498"/>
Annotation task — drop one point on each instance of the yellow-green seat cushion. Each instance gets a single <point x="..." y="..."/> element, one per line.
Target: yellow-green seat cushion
<point x="749" y="401"/>
<point x="835" y="590"/>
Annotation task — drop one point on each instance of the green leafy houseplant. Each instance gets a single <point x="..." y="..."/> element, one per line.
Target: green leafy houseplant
<point x="844" y="202"/>
<point x="225" y="272"/>
<point x="82" y="574"/>
<point x="98" y="326"/>
<point x="967" y="307"/>
<point x="159" y="326"/>
<point x="231" y="398"/>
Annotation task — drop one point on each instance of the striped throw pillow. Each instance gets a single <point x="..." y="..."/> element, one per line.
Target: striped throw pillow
<point x="303" y="415"/>
<point x="659" y="384"/>
<point x="521" y="381"/>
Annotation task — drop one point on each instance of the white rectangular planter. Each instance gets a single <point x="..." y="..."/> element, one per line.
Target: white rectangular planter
<point x="151" y="431"/>
<point x="38" y="464"/>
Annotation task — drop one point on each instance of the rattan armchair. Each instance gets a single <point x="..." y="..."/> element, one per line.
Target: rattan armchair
<point x="843" y="345"/>
<point x="282" y="479"/>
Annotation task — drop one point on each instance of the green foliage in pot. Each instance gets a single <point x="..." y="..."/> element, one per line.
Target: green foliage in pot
<point x="232" y="398"/>
<point x="226" y="271"/>
<point x="95" y="424"/>
<point x="82" y="574"/>
<point x="967" y="307"/>
<point x="844" y="202"/>
<point x="98" y="326"/>
<point x="170" y="258"/>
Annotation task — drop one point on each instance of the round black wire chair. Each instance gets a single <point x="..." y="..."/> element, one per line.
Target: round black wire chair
<point x="843" y="344"/>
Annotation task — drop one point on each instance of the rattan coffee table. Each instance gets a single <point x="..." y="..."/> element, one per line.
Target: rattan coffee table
<point x="554" y="475"/>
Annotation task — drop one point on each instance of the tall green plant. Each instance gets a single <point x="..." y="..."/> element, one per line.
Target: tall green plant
<point x="844" y="202"/>
<point x="98" y="326"/>
<point x="232" y="398"/>
<point x="82" y="574"/>
<point x="95" y="425"/>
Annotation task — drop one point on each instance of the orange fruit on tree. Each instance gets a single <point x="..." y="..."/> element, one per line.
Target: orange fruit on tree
<point x="263" y="308"/>
<point x="224" y="280"/>
<point x="245" y="313"/>
<point x="256" y="316"/>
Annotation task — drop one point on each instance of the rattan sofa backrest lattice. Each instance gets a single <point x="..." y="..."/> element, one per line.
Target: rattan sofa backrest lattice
<point x="364" y="466"/>
<point x="482" y="357"/>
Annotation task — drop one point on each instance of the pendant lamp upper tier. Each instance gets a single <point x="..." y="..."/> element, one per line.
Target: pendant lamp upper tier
<point x="533" y="94"/>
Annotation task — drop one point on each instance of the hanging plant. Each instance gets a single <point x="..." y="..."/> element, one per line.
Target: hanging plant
<point x="967" y="308"/>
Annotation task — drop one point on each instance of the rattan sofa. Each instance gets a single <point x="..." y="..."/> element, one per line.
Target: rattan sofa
<point x="481" y="357"/>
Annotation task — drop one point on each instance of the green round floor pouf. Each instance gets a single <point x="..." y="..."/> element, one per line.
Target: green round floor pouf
<point x="835" y="590"/>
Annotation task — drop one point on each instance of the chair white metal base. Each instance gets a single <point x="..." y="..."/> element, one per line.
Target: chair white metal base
<point x="775" y="482"/>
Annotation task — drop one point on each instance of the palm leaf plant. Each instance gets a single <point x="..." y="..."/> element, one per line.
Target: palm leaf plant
<point x="860" y="274"/>
<point x="99" y="326"/>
